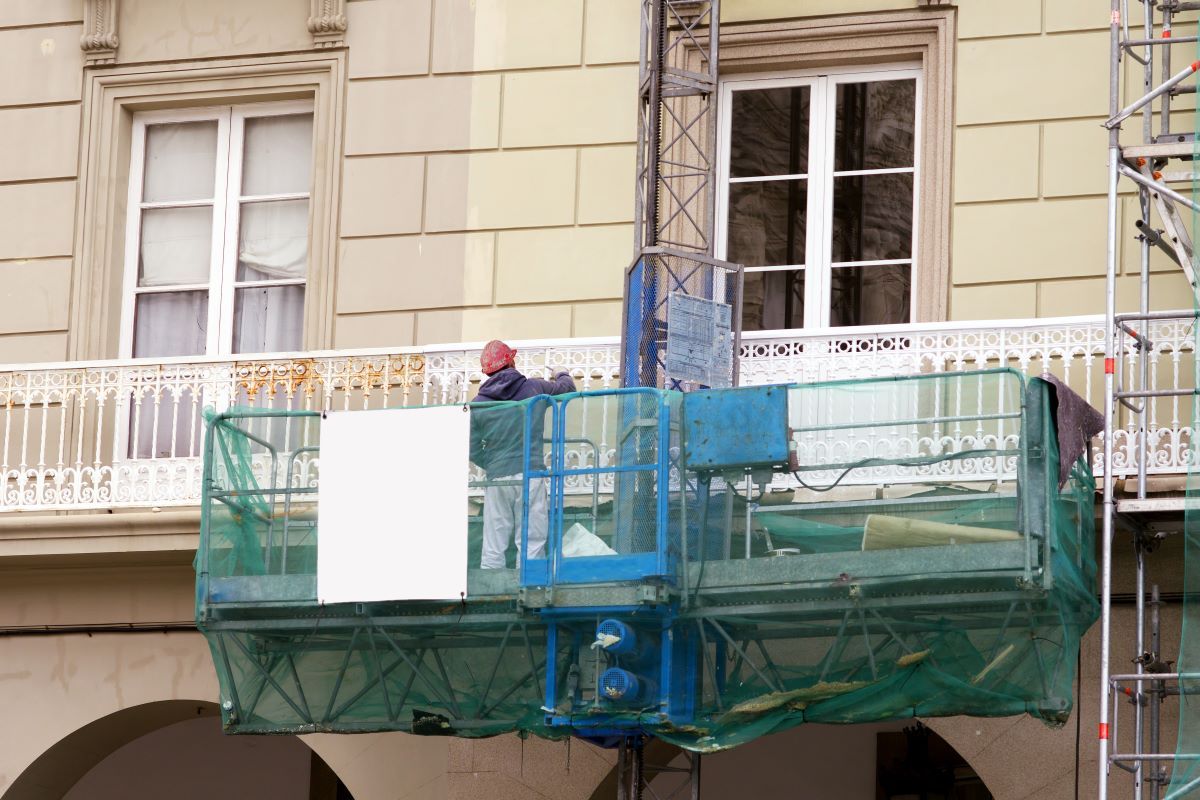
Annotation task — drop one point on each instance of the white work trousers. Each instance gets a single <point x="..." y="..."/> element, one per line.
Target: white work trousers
<point x="502" y="507"/>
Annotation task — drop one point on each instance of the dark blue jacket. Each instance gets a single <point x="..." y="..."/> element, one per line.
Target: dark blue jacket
<point x="498" y="424"/>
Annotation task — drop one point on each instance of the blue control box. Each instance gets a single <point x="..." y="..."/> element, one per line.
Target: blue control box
<point x="736" y="428"/>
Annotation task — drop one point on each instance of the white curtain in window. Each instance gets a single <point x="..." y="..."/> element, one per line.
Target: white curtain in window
<point x="273" y="240"/>
<point x="181" y="160"/>
<point x="170" y="324"/>
<point x="278" y="155"/>
<point x="176" y="246"/>
<point x="268" y="319"/>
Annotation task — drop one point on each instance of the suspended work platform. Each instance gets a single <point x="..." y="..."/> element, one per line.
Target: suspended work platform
<point x="717" y="566"/>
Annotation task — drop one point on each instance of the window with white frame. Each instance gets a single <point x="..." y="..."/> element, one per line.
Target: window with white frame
<point x="218" y="229"/>
<point x="818" y="196"/>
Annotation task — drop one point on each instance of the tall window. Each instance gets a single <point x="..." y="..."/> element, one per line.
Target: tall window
<point x="217" y="239"/>
<point x="819" y="177"/>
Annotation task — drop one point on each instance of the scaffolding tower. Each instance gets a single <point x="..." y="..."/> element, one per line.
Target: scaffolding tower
<point x="1163" y="153"/>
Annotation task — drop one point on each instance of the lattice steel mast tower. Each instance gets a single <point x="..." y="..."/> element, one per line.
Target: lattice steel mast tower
<point x="1130" y="386"/>
<point x="675" y="199"/>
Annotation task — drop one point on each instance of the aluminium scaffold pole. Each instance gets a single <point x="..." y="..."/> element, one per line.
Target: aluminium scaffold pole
<point x="1110" y="355"/>
<point x="1130" y="341"/>
<point x="1166" y="86"/>
<point x="1139" y="728"/>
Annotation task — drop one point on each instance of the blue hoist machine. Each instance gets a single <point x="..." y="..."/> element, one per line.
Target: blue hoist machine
<point x="720" y="562"/>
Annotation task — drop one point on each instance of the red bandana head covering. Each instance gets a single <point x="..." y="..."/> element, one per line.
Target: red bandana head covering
<point x="496" y="356"/>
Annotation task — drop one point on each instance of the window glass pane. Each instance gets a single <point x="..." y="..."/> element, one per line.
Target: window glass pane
<point x="878" y="295"/>
<point x="181" y="161"/>
<point x="872" y="217"/>
<point x="273" y="240"/>
<point x="767" y="223"/>
<point x="875" y="125"/>
<point x="773" y="300"/>
<point x="268" y="319"/>
<point x="769" y="132"/>
<point x="170" y="324"/>
<point x="278" y="154"/>
<point x="176" y="246"/>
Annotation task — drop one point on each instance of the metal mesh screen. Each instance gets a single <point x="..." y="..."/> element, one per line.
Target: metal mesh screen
<point x="669" y="343"/>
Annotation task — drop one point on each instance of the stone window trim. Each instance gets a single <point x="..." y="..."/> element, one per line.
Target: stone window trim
<point x="925" y="37"/>
<point x="112" y="96"/>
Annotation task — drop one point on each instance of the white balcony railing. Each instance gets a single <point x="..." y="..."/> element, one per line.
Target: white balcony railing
<point x="127" y="433"/>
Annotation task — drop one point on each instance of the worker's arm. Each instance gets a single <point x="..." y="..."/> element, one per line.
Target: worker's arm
<point x="563" y="383"/>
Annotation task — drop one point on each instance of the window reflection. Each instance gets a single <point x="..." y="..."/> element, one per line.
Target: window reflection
<point x="872" y="217"/>
<point x="768" y="223"/>
<point x="770" y="132"/>
<point x="876" y="125"/>
<point x="773" y="300"/>
<point x="874" y="295"/>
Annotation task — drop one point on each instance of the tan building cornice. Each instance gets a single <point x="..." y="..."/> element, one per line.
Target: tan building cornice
<point x="134" y="538"/>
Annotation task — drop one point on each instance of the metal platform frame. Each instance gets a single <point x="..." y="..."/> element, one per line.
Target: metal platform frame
<point x="1143" y="35"/>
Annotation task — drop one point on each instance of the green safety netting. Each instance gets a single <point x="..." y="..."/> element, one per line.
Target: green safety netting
<point x="911" y="553"/>
<point x="1185" y="771"/>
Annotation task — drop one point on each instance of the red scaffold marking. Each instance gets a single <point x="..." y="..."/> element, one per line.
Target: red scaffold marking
<point x="1103" y="730"/>
<point x="1166" y="35"/>
<point x="1110" y="366"/>
<point x="1195" y="65"/>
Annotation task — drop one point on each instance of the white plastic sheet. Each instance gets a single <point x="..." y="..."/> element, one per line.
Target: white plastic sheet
<point x="393" y="505"/>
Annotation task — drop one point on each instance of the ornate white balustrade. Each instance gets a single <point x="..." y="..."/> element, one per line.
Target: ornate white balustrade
<point x="128" y="433"/>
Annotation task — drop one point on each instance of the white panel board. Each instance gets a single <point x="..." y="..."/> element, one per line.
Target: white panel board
<point x="393" y="505"/>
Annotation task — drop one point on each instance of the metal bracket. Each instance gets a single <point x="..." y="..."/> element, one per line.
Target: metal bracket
<point x="535" y="597"/>
<point x="1173" y="224"/>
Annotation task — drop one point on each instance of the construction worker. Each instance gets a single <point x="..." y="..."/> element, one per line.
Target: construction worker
<point x="497" y="433"/>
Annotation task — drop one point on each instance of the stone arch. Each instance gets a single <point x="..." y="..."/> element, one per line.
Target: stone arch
<point x="1021" y="757"/>
<point x="61" y="766"/>
<point x="73" y="699"/>
<point x="100" y="743"/>
<point x="113" y="687"/>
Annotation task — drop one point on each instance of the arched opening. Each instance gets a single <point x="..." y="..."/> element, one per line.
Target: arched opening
<point x="902" y="760"/>
<point x="175" y="749"/>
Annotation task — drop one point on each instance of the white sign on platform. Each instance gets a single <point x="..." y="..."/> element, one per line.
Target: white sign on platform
<point x="393" y="505"/>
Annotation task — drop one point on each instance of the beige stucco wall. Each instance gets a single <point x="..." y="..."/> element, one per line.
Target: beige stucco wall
<point x="505" y="129"/>
<point x="39" y="150"/>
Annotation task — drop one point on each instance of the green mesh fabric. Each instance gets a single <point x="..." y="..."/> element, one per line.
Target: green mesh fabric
<point x="1185" y="773"/>
<point x="771" y="607"/>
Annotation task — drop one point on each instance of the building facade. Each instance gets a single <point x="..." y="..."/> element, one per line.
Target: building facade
<point x="374" y="187"/>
